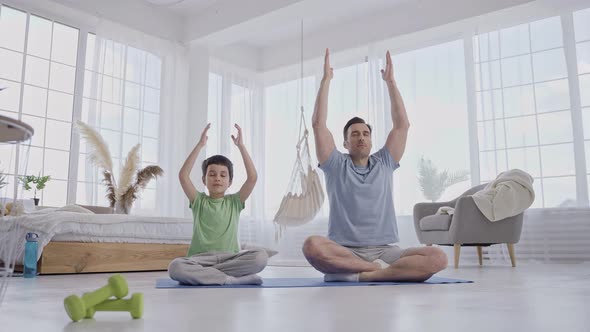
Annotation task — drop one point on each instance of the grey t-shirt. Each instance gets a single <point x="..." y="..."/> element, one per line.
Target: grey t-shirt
<point x="361" y="199"/>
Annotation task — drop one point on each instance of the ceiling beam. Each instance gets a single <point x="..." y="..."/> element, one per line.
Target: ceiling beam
<point x="230" y="21"/>
<point x="136" y="14"/>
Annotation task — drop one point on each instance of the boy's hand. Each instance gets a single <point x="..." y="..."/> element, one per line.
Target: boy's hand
<point x="204" y="137"/>
<point x="238" y="140"/>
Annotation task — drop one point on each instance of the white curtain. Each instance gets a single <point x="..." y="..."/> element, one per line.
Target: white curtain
<point x="136" y="92"/>
<point x="236" y="97"/>
<point x="432" y="77"/>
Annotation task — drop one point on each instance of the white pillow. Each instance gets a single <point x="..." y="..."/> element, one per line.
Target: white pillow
<point x="74" y="208"/>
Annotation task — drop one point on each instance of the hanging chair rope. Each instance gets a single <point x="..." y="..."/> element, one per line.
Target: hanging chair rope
<point x="305" y="195"/>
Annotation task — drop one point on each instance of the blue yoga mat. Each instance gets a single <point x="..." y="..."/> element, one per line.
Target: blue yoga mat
<point x="308" y="282"/>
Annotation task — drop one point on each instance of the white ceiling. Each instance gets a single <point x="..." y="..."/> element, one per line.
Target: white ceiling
<point x="316" y="14"/>
<point x="265" y="34"/>
<point x="185" y="8"/>
<point x="322" y="14"/>
<point x="259" y="24"/>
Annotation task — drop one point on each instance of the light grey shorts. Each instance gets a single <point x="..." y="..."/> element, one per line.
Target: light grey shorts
<point x="386" y="253"/>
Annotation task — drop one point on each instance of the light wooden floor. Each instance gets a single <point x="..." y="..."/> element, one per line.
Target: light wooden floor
<point x="526" y="298"/>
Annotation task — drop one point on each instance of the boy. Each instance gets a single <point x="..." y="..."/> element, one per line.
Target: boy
<point x="214" y="256"/>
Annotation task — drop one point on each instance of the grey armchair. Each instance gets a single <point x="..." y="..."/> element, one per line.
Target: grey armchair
<point x="467" y="227"/>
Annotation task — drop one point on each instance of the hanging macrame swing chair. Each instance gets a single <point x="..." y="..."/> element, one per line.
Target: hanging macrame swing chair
<point x="305" y="195"/>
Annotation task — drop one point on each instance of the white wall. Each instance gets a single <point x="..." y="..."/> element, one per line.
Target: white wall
<point x="242" y="55"/>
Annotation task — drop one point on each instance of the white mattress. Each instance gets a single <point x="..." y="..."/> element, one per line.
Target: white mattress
<point x="162" y="230"/>
<point x="54" y="225"/>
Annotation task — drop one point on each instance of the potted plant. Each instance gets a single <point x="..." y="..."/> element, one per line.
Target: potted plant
<point x="3" y="182"/>
<point x="132" y="178"/>
<point x="38" y="183"/>
<point x="434" y="183"/>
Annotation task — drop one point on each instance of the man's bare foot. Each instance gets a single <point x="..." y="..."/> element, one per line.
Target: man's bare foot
<point x="382" y="264"/>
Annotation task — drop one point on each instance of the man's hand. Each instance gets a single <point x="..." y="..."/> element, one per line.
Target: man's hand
<point x="204" y="137"/>
<point x="328" y="71"/>
<point x="387" y="73"/>
<point x="238" y="139"/>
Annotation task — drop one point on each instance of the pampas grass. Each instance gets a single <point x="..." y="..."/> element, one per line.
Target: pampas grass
<point x="145" y="175"/>
<point x="128" y="170"/>
<point x="132" y="179"/>
<point x="141" y="180"/>
<point x="99" y="150"/>
<point x="111" y="196"/>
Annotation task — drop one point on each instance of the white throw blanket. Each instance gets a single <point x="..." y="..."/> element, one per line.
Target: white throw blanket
<point x="508" y="195"/>
<point x="446" y="210"/>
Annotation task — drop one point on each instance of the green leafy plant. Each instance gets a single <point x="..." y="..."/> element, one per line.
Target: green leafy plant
<point x="434" y="183"/>
<point x="3" y="182"/>
<point x="38" y="182"/>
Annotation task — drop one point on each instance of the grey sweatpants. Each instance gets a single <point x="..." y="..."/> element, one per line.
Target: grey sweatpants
<point x="212" y="268"/>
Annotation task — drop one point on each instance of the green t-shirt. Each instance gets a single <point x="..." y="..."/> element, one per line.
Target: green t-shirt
<point x="215" y="223"/>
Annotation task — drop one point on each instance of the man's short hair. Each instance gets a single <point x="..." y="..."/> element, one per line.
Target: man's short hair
<point x="219" y="160"/>
<point x="353" y="121"/>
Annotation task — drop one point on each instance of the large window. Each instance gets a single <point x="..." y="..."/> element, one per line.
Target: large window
<point x="37" y="68"/>
<point x="349" y="91"/>
<point x="432" y="83"/>
<point x="241" y="114"/>
<point x="523" y="113"/>
<point x="122" y="100"/>
<point x="214" y="113"/>
<point x="232" y="101"/>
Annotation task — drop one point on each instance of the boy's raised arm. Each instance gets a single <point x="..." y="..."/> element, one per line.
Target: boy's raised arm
<point x="251" y="175"/>
<point x="185" y="171"/>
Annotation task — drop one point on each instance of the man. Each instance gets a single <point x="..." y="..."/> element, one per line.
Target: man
<point x="362" y="224"/>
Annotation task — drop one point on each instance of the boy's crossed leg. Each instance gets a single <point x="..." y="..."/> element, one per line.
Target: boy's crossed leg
<point x="220" y="268"/>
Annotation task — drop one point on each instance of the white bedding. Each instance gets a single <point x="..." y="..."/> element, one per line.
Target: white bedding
<point x="70" y="226"/>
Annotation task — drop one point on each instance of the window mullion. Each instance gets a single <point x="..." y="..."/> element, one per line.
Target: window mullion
<point x="536" y="115"/>
<point x="77" y="115"/>
<point x="569" y="42"/>
<point x="472" y="109"/>
<point x="20" y="108"/>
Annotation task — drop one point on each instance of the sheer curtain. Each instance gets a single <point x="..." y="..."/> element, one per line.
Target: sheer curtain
<point x="135" y="91"/>
<point x="358" y="90"/>
<point x="527" y="86"/>
<point x="236" y="97"/>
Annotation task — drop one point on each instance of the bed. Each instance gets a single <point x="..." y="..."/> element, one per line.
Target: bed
<point x="78" y="241"/>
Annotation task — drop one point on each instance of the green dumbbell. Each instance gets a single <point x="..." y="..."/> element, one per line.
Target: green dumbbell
<point x="76" y="306"/>
<point x="134" y="306"/>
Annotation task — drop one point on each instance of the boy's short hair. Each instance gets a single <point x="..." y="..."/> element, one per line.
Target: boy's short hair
<point x="219" y="160"/>
<point x="353" y="121"/>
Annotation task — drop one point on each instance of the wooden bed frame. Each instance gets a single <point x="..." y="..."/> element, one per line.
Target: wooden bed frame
<point x="86" y="257"/>
<point x="95" y="257"/>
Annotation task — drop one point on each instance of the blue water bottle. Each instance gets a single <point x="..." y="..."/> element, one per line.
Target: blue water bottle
<point x="30" y="270"/>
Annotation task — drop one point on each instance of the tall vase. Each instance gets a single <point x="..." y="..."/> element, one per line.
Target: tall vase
<point x="121" y="208"/>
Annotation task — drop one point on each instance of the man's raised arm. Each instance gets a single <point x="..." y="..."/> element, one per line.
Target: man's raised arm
<point x="396" y="141"/>
<point x="324" y="142"/>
